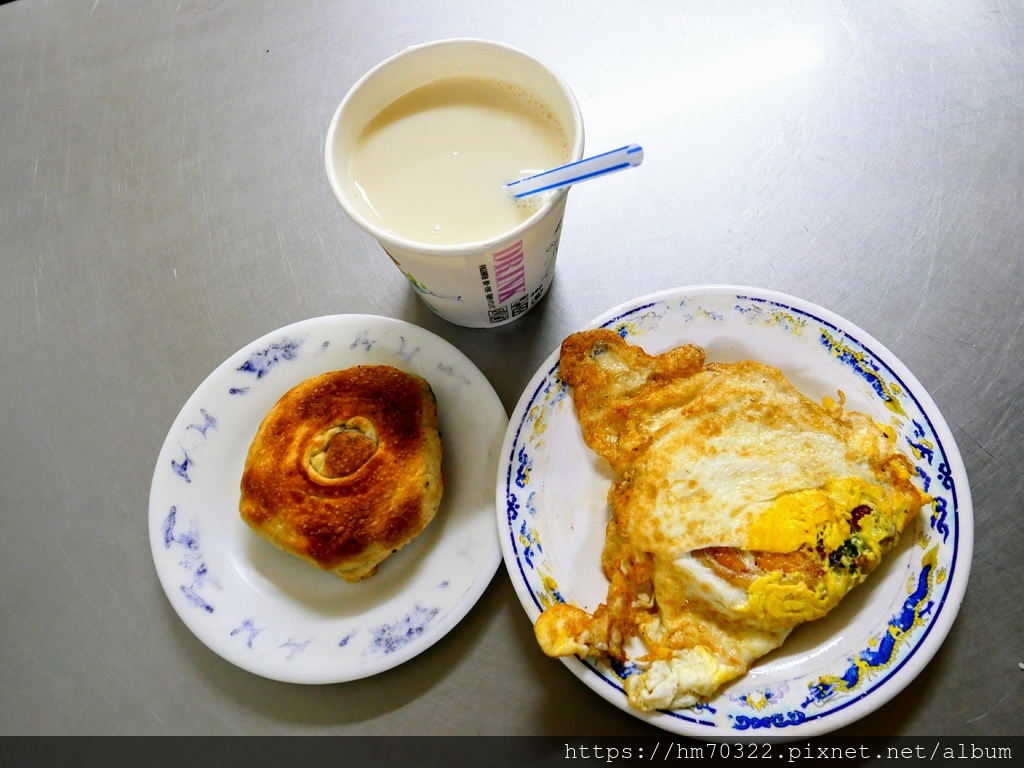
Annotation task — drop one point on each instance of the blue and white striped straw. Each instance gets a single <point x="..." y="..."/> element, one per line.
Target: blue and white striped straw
<point x="619" y="159"/>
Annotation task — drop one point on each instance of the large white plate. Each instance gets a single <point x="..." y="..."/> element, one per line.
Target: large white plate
<point x="552" y="513"/>
<point x="271" y="613"/>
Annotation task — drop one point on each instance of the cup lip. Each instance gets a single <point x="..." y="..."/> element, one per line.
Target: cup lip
<point x="461" y="249"/>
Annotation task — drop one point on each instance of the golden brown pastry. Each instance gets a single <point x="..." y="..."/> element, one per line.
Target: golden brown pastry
<point x="346" y="468"/>
<point x="741" y="509"/>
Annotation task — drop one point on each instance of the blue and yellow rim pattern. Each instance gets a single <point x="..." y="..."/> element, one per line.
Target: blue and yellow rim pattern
<point x="933" y="557"/>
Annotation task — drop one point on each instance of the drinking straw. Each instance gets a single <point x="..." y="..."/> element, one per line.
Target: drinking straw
<point x="619" y="159"/>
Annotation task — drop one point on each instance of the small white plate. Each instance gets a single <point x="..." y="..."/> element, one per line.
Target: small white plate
<point x="271" y="613"/>
<point x="552" y="512"/>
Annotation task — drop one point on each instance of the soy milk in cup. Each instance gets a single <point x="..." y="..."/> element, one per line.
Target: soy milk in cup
<point x="418" y="153"/>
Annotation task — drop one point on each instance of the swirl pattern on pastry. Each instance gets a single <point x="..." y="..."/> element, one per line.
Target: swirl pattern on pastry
<point x="346" y="468"/>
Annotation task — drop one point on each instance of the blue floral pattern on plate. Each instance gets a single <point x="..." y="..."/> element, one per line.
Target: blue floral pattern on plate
<point x="553" y="511"/>
<point x="272" y="614"/>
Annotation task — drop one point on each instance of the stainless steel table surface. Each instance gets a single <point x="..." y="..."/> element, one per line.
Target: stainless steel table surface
<point x="163" y="202"/>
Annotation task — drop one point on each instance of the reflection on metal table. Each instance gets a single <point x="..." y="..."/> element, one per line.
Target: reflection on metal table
<point x="164" y="203"/>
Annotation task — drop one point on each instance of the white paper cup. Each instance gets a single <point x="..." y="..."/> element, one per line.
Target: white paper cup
<point x="477" y="284"/>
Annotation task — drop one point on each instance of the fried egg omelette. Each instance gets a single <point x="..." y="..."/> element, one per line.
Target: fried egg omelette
<point x="740" y="509"/>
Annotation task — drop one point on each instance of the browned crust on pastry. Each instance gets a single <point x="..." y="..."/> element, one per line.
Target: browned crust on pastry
<point x="346" y="468"/>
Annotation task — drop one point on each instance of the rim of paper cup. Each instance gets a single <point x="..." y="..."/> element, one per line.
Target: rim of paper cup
<point x="460" y="249"/>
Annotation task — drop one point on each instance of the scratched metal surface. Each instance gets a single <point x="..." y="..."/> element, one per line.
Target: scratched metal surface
<point x="163" y="203"/>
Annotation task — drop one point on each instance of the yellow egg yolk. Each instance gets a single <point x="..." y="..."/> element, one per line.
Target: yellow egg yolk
<point x="822" y="521"/>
